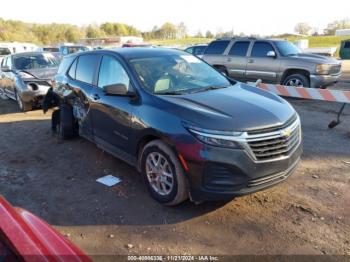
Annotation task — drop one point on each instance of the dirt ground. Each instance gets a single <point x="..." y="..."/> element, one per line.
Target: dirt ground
<point x="307" y="214"/>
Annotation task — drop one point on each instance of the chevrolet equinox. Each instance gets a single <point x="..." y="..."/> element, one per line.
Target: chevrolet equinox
<point x="190" y="131"/>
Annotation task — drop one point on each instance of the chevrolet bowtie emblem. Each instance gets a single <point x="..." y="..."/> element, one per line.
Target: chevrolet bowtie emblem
<point x="286" y="133"/>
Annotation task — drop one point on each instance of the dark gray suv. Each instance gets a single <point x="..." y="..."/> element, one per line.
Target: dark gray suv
<point x="189" y="130"/>
<point x="272" y="61"/>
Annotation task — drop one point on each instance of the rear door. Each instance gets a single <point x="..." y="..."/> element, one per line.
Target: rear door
<point x="260" y="66"/>
<point x="81" y="77"/>
<point x="236" y="61"/>
<point x="111" y="115"/>
<point x="214" y="53"/>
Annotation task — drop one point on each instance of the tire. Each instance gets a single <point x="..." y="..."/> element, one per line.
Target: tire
<point x="23" y="106"/>
<point x="296" y="80"/>
<point x="153" y="152"/>
<point x="67" y="123"/>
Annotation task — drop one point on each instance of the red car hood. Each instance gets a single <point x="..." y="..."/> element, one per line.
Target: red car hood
<point x="31" y="239"/>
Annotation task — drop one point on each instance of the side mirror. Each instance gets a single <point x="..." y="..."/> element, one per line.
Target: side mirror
<point x="117" y="90"/>
<point x="5" y="69"/>
<point x="271" y="54"/>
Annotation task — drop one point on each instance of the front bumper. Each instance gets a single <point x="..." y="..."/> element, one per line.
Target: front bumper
<point x="227" y="173"/>
<point x="34" y="95"/>
<point x="317" y="81"/>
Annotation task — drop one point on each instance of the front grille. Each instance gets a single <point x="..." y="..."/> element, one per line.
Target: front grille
<point x="277" y="144"/>
<point x="334" y="70"/>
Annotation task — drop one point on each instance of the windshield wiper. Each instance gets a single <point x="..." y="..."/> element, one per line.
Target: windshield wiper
<point x="169" y="93"/>
<point x="207" y="88"/>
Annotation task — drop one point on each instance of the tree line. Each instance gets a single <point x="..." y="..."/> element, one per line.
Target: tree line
<point x="306" y="29"/>
<point x="50" y="34"/>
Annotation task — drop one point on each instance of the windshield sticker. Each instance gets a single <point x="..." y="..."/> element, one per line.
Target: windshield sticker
<point x="190" y="59"/>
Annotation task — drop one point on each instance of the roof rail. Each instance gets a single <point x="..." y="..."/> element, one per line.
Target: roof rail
<point x="237" y="37"/>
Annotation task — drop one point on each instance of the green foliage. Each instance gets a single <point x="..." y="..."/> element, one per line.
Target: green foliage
<point x="119" y="29"/>
<point x="50" y="34"/>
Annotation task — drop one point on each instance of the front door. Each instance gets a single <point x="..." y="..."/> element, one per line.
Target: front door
<point x="260" y="65"/>
<point x="111" y="115"/>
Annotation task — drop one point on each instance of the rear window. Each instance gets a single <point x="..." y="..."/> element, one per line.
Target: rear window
<point x="216" y="47"/>
<point x="347" y="44"/>
<point x="86" y="68"/>
<point x="260" y="49"/>
<point x="239" y="48"/>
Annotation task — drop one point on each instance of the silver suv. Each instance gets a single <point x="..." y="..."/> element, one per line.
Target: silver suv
<point x="272" y="61"/>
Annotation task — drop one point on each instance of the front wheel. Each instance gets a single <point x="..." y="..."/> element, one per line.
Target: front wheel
<point x="296" y="80"/>
<point x="163" y="174"/>
<point x="23" y="106"/>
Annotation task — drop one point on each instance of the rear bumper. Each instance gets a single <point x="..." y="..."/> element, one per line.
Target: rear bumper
<point x="317" y="81"/>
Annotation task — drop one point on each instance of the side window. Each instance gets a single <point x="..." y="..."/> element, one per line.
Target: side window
<point x="347" y="44"/>
<point x="190" y="50"/>
<point x="3" y="62"/>
<point x="9" y="62"/>
<point x="65" y="51"/>
<point x="239" y="48"/>
<point x="86" y="68"/>
<point x="260" y="49"/>
<point x="73" y="69"/>
<point x="112" y="72"/>
<point x="216" y="47"/>
<point x="199" y="50"/>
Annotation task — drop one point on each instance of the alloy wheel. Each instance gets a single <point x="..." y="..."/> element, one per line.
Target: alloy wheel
<point x="159" y="173"/>
<point x="294" y="82"/>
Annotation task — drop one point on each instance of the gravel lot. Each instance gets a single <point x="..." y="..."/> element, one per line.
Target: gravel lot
<point x="307" y="214"/>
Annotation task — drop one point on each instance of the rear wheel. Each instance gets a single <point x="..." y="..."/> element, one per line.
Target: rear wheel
<point x="67" y="124"/>
<point x="23" y="106"/>
<point x="163" y="174"/>
<point x="297" y="80"/>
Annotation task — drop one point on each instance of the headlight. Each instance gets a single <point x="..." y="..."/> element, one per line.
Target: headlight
<point x="323" y="69"/>
<point x="215" y="137"/>
<point x="25" y="75"/>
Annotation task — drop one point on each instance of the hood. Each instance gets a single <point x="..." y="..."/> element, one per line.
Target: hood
<point x="42" y="73"/>
<point x="237" y="108"/>
<point x="312" y="58"/>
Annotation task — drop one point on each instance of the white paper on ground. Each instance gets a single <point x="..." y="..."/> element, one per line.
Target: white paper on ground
<point x="109" y="180"/>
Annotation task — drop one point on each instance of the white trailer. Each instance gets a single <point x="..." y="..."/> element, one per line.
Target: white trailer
<point x="341" y="32"/>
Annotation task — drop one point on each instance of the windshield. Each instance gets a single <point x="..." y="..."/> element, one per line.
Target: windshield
<point x="287" y="48"/>
<point x="177" y="74"/>
<point x="35" y="61"/>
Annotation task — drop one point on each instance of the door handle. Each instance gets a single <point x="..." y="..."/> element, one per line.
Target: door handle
<point x="250" y="61"/>
<point x="229" y="59"/>
<point x="95" y="97"/>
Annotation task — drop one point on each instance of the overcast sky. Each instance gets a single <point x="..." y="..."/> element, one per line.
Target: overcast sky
<point x="262" y="17"/>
